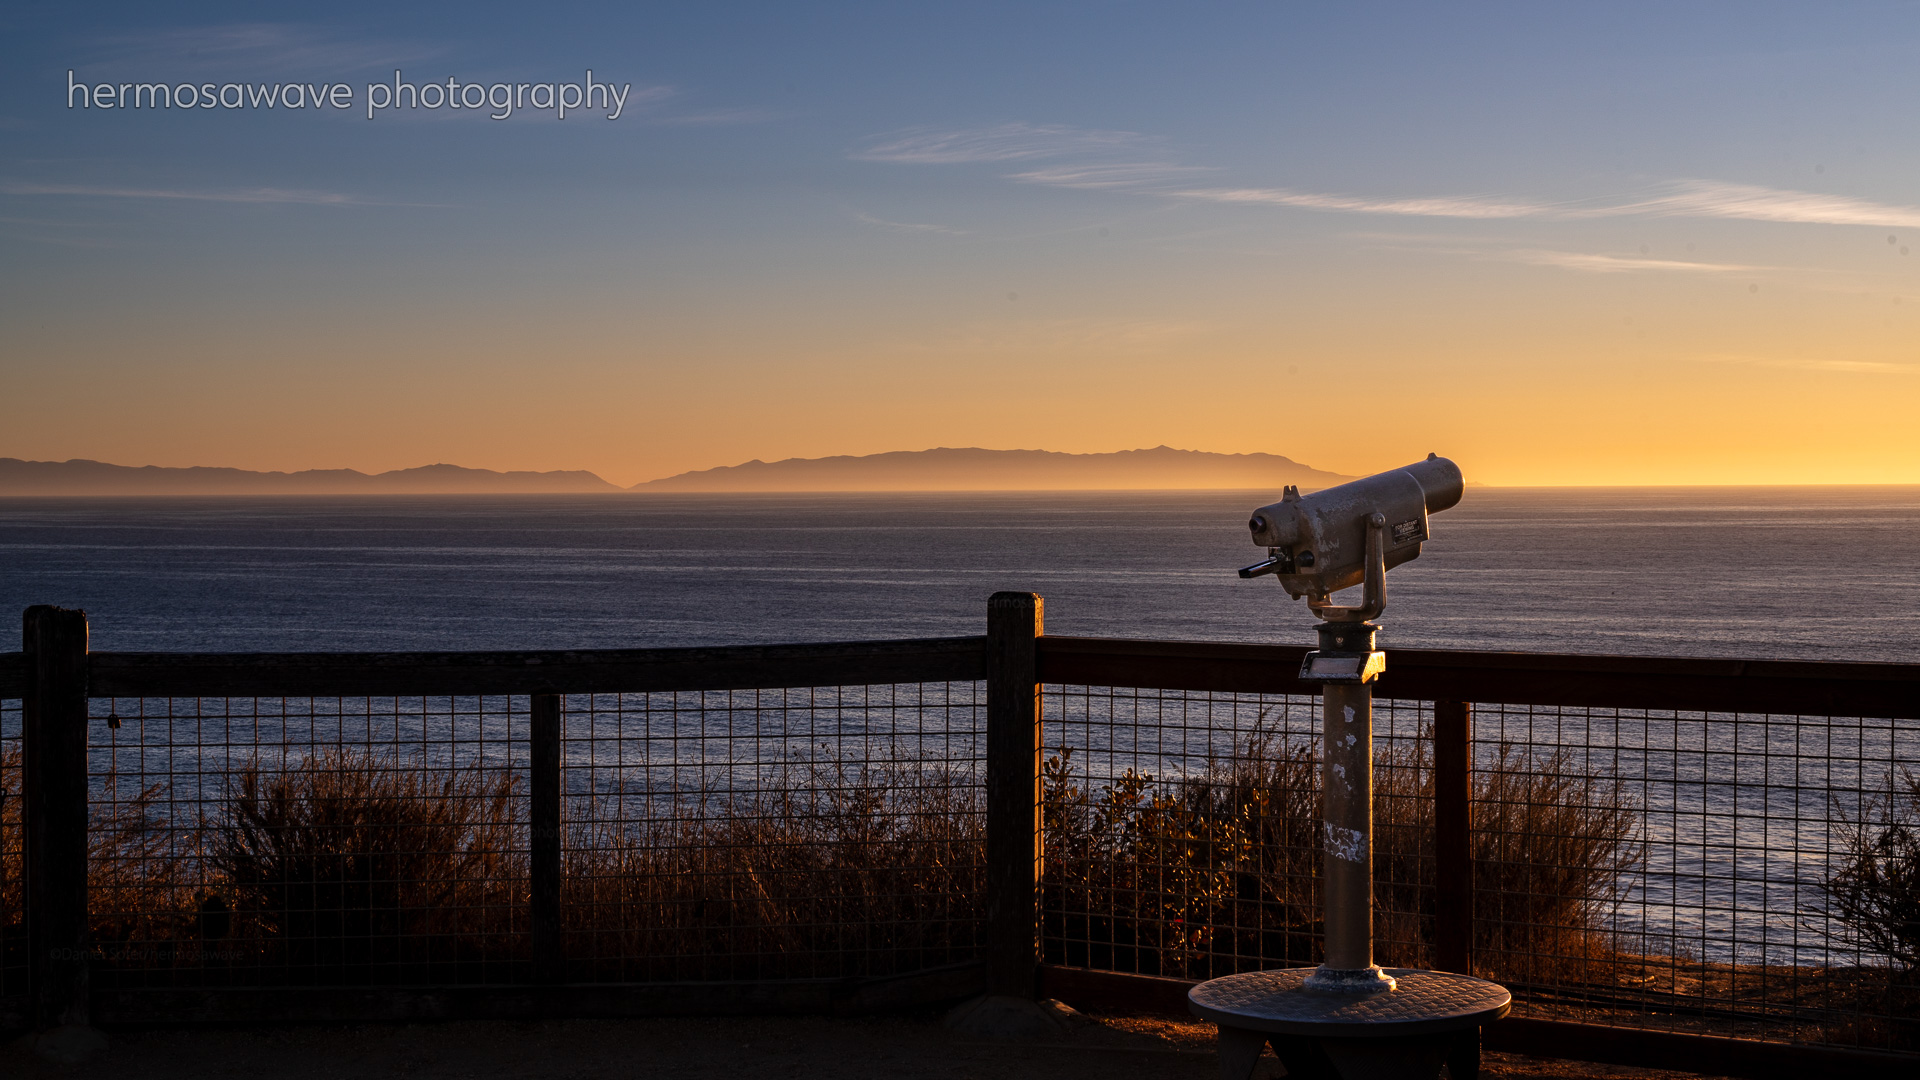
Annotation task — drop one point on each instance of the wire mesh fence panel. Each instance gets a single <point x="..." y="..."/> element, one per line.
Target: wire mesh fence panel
<point x="1183" y="831"/>
<point x="307" y="841"/>
<point x="1748" y="875"/>
<point x="826" y="832"/>
<point x="1735" y="874"/>
<point x="13" y="864"/>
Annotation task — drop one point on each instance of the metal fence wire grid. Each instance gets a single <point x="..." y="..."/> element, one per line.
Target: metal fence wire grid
<point x="1695" y="848"/>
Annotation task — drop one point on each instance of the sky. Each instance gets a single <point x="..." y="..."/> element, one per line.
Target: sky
<point x="1630" y="243"/>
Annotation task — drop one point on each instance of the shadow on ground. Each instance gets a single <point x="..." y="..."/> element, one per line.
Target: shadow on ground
<point x="791" y="1048"/>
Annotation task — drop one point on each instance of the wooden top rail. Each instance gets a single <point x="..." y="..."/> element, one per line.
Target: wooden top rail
<point x="1785" y="687"/>
<point x="1782" y="687"/>
<point x="733" y="667"/>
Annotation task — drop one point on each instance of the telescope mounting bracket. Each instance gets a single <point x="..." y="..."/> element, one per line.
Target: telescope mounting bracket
<point x="1373" y="594"/>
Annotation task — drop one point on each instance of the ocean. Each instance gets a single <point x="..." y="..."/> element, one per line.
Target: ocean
<point x="1783" y="573"/>
<point x="1802" y="573"/>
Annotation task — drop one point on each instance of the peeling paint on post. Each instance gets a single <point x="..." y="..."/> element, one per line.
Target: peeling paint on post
<point x="1348" y="794"/>
<point x="1346" y="844"/>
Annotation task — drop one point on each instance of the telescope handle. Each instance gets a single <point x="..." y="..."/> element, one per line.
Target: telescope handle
<point x="1269" y="566"/>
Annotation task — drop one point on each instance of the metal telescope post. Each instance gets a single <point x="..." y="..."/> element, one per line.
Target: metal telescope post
<point x="1345" y="666"/>
<point x="1347" y="1019"/>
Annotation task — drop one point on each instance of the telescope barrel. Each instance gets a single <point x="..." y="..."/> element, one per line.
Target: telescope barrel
<point x="1441" y="480"/>
<point x="1322" y="538"/>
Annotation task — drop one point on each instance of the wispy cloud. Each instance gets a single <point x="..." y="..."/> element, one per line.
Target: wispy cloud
<point x="1680" y="198"/>
<point x="1131" y="162"/>
<point x="713" y="117"/>
<point x="253" y="48"/>
<point x="1082" y="158"/>
<point x="48" y="222"/>
<point x="1870" y="367"/>
<point x="85" y="243"/>
<point x="908" y="226"/>
<point x="643" y="97"/>
<point x="1490" y="249"/>
<point x="1618" y="264"/>
<point x="231" y="195"/>
<point x="1005" y="142"/>
<point x="664" y="105"/>
<point x="1749" y="202"/>
<point x="1453" y="206"/>
<point x="1124" y="174"/>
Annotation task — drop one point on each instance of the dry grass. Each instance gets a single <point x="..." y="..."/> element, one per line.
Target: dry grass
<point x="13" y="890"/>
<point x="351" y="867"/>
<point x="137" y="878"/>
<point x="1551" y="844"/>
<point x="358" y="867"/>
<point x="347" y="868"/>
<point x="355" y="862"/>
<point x="1873" y="891"/>
<point x="1200" y="877"/>
<point x="829" y="871"/>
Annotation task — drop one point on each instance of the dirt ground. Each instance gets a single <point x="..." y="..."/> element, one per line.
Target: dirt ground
<point x="782" y="1048"/>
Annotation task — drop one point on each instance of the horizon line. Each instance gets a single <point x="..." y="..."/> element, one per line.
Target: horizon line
<point x="657" y="493"/>
<point x="645" y="487"/>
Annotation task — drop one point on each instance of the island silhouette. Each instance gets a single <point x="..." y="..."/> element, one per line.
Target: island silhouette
<point x="938" y="469"/>
<point x="975" y="469"/>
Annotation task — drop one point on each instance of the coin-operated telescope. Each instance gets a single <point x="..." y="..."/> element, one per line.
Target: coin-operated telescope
<point x="1352" y="535"/>
<point x="1316" y="545"/>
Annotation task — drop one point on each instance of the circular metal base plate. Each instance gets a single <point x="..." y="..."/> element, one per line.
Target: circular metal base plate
<point x="1422" y="1002"/>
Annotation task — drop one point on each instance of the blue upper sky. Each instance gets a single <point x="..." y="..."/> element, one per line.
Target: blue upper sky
<point x="1127" y="215"/>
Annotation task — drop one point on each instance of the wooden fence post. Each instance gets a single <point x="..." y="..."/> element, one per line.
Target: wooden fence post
<point x="1453" y="861"/>
<point x="1453" y="836"/>
<point x="1014" y="850"/>
<point x="544" y="861"/>
<point x="54" y="723"/>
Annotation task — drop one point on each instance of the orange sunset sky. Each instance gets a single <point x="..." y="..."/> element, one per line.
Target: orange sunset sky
<point x="1620" y="247"/>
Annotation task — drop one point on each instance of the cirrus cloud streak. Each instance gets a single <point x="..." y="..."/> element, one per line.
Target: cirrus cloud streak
<point x="1130" y="162"/>
<point x="1865" y="367"/>
<point x="234" y="195"/>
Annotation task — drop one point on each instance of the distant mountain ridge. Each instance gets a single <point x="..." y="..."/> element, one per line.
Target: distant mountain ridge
<point x="939" y="469"/>
<point x="975" y="469"/>
<point x="82" y="477"/>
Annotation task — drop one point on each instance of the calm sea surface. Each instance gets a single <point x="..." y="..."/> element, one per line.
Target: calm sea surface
<point x="1808" y="573"/>
<point x="1733" y="811"/>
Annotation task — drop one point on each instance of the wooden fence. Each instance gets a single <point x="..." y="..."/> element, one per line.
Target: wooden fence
<point x="56" y="675"/>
